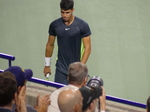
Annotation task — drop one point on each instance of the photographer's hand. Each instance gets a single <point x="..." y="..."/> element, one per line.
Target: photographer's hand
<point x="103" y="100"/>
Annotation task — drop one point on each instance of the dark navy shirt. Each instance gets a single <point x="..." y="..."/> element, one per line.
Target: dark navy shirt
<point x="68" y="41"/>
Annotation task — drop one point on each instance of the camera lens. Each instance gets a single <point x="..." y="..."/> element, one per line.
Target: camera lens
<point x="95" y="81"/>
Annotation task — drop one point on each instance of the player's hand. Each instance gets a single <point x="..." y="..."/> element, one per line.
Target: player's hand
<point x="47" y="70"/>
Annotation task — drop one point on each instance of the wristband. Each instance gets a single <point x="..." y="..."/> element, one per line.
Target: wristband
<point x="47" y="61"/>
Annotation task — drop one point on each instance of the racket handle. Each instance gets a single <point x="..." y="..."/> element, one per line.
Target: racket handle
<point x="47" y="76"/>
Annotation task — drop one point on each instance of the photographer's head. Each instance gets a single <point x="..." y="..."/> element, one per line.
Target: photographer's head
<point x="148" y="104"/>
<point x="77" y="74"/>
<point x="90" y="96"/>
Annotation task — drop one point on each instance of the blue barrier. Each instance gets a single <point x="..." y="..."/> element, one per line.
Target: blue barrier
<point x="124" y="101"/>
<point x="111" y="98"/>
<point x="47" y="83"/>
<point x="1" y="70"/>
<point x="7" y="57"/>
<point x="58" y="85"/>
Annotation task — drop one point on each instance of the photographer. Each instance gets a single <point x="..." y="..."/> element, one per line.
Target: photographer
<point x="148" y="104"/>
<point x="96" y="82"/>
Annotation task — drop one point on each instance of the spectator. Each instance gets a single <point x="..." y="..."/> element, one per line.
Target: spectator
<point x="148" y="104"/>
<point x="77" y="76"/>
<point x="22" y="75"/>
<point x="97" y="82"/>
<point x="70" y="100"/>
<point x="42" y="103"/>
<point x="8" y="91"/>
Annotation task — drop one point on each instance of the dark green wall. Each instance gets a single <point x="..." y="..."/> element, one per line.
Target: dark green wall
<point x="120" y="40"/>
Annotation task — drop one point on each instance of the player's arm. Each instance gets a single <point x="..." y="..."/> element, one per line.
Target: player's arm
<point x="48" y="54"/>
<point x="50" y="46"/>
<point x="87" y="49"/>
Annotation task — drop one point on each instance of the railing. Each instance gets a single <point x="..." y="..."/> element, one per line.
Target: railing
<point x="47" y="83"/>
<point x="7" y="57"/>
<point x="108" y="97"/>
<point x="58" y="85"/>
<point x="125" y="101"/>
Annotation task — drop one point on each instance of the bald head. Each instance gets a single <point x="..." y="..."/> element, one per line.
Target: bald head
<point x="70" y="100"/>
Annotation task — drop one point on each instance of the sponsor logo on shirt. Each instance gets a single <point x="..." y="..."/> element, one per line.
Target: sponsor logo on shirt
<point x="67" y="28"/>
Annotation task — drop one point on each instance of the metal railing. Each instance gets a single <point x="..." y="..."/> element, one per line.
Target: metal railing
<point x="58" y="85"/>
<point x="7" y="57"/>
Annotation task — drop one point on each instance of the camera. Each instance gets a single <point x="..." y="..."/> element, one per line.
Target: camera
<point x="95" y="81"/>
